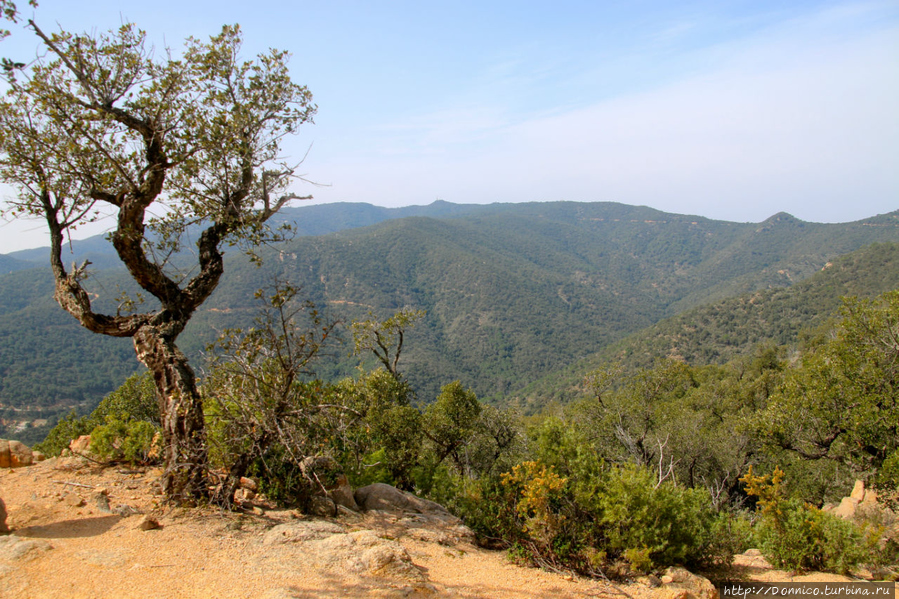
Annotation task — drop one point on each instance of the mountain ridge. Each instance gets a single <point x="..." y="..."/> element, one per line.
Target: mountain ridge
<point x="513" y="292"/>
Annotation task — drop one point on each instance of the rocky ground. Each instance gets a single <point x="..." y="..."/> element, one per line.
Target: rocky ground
<point x="83" y="530"/>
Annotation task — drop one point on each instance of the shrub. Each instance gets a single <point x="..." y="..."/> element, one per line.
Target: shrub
<point x="133" y="402"/>
<point x="797" y="536"/>
<point x="134" y="441"/>
<point x="660" y="524"/>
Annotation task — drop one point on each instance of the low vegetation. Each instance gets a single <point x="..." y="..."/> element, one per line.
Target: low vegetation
<point x="648" y="468"/>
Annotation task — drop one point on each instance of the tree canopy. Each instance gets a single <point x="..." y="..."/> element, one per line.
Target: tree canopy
<point x="104" y="125"/>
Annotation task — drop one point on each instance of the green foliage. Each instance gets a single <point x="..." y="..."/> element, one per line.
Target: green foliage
<point x="132" y="406"/>
<point x="134" y="441"/>
<point x="668" y="524"/>
<point x="386" y="428"/>
<point x="797" y="536"/>
<point x="842" y="402"/>
<point x="449" y="423"/>
<point x="59" y="437"/>
<point x="385" y="338"/>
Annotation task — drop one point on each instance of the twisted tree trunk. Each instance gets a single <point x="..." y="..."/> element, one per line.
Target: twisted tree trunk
<point x="181" y="409"/>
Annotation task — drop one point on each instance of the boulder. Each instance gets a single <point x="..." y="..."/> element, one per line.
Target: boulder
<point x="4" y="529"/>
<point x="383" y="497"/>
<point x="683" y="584"/>
<point x="328" y="480"/>
<point x="847" y="507"/>
<point x="322" y="506"/>
<point x="80" y="445"/>
<point x="14" y="454"/>
<point x="858" y="491"/>
<point x="298" y="532"/>
<point x="364" y="552"/>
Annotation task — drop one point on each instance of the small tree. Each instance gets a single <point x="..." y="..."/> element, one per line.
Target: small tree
<point x="385" y="339"/>
<point x="163" y="143"/>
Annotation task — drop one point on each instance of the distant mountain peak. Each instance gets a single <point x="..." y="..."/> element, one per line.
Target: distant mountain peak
<point x="782" y="218"/>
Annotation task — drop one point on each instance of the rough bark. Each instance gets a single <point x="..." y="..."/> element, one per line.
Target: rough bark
<point x="184" y="436"/>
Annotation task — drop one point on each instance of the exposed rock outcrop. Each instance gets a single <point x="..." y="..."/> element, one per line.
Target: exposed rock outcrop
<point x="14" y="548"/>
<point x="14" y="454"/>
<point x="328" y="480"/>
<point x="386" y="498"/>
<point x="679" y="583"/>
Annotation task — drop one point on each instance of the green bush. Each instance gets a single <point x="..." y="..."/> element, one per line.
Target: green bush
<point x="596" y="517"/>
<point x="663" y="523"/>
<point x="797" y="536"/>
<point x="802" y="537"/>
<point x="135" y="401"/>
<point x="134" y="441"/>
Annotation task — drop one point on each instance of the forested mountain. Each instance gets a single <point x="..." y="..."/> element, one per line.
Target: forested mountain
<point x="721" y="331"/>
<point x="513" y="292"/>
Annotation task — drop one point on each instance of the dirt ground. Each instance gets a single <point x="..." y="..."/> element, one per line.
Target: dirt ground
<point x="76" y="532"/>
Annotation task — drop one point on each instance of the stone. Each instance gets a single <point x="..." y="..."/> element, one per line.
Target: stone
<point x="364" y="552"/>
<point x="14" y="454"/>
<point x="125" y="511"/>
<point x="858" y="491"/>
<point x="148" y="523"/>
<point x="243" y="495"/>
<point x="680" y="583"/>
<point x="249" y="484"/>
<point x="383" y="497"/>
<point x="322" y="506"/>
<point x="296" y="532"/>
<point x="37" y="456"/>
<point x="847" y="507"/>
<point x="80" y="445"/>
<point x="328" y="479"/>
<point x="4" y="529"/>
<point x="74" y="500"/>
<point x="13" y="548"/>
<point x="101" y="500"/>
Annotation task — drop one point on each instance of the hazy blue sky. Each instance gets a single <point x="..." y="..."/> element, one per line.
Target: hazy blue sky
<point x="733" y="110"/>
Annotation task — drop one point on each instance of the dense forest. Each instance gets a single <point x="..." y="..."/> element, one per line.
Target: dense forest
<point x="515" y="295"/>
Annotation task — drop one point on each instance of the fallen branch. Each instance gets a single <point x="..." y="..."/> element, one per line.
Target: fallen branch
<point x="65" y="482"/>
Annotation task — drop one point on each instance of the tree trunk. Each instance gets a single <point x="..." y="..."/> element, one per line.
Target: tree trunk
<point x="183" y="426"/>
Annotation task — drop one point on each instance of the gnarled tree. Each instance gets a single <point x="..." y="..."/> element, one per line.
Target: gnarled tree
<point x="102" y="125"/>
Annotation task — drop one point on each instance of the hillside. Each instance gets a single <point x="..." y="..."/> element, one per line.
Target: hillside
<point x="513" y="292"/>
<point x="730" y="328"/>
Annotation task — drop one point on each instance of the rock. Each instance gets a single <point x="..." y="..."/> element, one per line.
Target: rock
<point x="296" y="532"/>
<point x="249" y="484"/>
<point x="125" y="511"/>
<point x="80" y="445"/>
<point x="74" y="500"/>
<point x="683" y="584"/>
<point x="37" y="456"/>
<point x="4" y="529"/>
<point x="322" y="506"/>
<point x="243" y="495"/>
<point x="102" y="502"/>
<point x="847" y="507"/>
<point x="14" y="454"/>
<point x="858" y="491"/>
<point x="14" y="548"/>
<point x="148" y="523"/>
<point x="380" y="496"/>
<point x="328" y="479"/>
<point x="364" y="552"/>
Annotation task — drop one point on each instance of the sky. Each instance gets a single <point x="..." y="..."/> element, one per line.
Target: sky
<point x="732" y="110"/>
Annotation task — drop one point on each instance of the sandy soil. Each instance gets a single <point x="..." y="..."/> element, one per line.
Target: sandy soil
<point x="76" y="533"/>
<point x="77" y="549"/>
